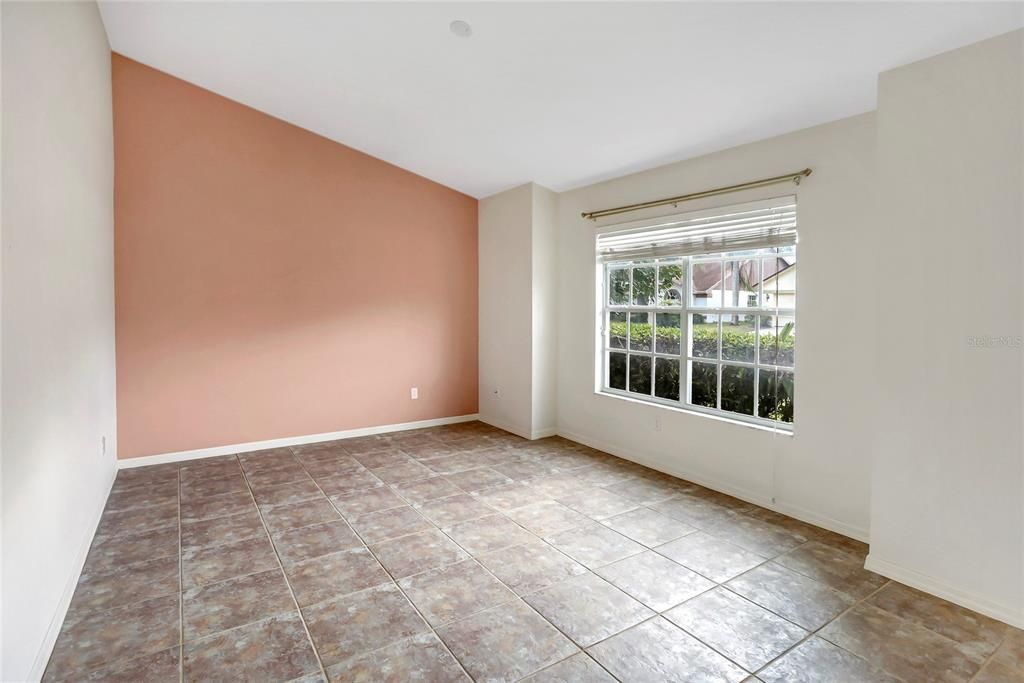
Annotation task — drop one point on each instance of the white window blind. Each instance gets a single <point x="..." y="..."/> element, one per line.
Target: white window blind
<point x="740" y="227"/>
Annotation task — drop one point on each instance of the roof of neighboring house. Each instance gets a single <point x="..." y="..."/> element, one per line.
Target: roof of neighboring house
<point x="706" y="279"/>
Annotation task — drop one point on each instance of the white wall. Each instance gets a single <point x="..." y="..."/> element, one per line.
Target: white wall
<point x="544" y="335"/>
<point x="506" y="309"/>
<point x="57" y="314"/>
<point x="947" y="505"/>
<point x="822" y="472"/>
<point x="518" y="322"/>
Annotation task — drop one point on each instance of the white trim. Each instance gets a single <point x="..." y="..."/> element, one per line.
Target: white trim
<point x="939" y="588"/>
<point x="57" y="620"/>
<point x="825" y="522"/>
<point x="531" y="434"/>
<point x="743" y="494"/>
<point x="231" y="449"/>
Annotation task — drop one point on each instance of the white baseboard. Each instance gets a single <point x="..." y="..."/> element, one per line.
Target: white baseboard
<point x="823" y="521"/>
<point x="723" y="487"/>
<point x="543" y="433"/>
<point x="231" y="449"/>
<point x="516" y="429"/>
<point x="930" y="584"/>
<point x="57" y="620"/>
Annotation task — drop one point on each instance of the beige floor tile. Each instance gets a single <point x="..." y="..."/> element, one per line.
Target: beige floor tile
<point x="505" y="643"/>
<point x="274" y="649"/>
<point x="762" y="537"/>
<point x="454" y="592"/>
<point x="220" y="530"/>
<point x="418" y="552"/>
<point x="425" y="490"/>
<point x="531" y="566"/>
<point x="488" y="534"/>
<point x="646" y="526"/>
<point x="419" y="658"/>
<point x="597" y="503"/>
<point x="594" y="545"/>
<point x="656" y="581"/>
<point x="235" y="602"/>
<point x="548" y="517"/>
<point x="376" y="527"/>
<point x="294" y="515"/>
<point x="368" y="500"/>
<point x="361" y="622"/>
<point x="658" y="544"/>
<point x="834" y="568"/>
<point x="900" y="647"/>
<point x="335" y="575"/>
<point x="711" y="557"/>
<point x="511" y="496"/>
<point x="794" y="596"/>
<point x="587" y="608"/>
<point x="737" y="628"/>
<point x="819" y="661"/>
<point x="454" y="509"/>
<point x="657" y="651"/>
<point x="579" y="668"/>
<point x="203" y="566"/>
<point x="307" y="542"/>
<point x="977" y="634"/>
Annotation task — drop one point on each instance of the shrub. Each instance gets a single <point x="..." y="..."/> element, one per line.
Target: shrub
<point x="775" y="393"/>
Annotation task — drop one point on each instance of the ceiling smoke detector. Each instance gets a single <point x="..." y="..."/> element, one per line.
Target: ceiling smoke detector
<point x="461" y="28"/>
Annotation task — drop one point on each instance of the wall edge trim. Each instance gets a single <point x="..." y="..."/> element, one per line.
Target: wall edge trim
<point x="794" y="511"/>
<point x="42" y="658"/>
<point x="232" y="449"/>
<point x="939" y="588"/>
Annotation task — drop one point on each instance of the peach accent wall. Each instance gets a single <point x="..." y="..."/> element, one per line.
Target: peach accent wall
<point x="272" y="283"/>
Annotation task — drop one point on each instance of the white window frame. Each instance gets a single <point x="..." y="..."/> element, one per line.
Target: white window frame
<point x="684" y="356"/>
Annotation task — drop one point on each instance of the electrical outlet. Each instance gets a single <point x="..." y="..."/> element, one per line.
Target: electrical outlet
<point x="103" y="445"/>
<point x="414" y="393"/>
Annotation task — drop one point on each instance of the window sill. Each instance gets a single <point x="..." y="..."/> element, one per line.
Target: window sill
<point x="781" y="431"/>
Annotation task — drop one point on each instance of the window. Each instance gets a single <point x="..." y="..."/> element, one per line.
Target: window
<point x="699" y="311"/>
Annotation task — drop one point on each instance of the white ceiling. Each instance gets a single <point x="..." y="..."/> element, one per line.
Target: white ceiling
<point x="560" y="94"/>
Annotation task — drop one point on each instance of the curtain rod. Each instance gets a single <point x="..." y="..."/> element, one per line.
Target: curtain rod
<point x="789" y="177"/>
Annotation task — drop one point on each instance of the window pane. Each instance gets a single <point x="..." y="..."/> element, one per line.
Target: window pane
<point x="704" y="331"/>
<point x="740" y="284"/>
<point x="666" y="378"/>
<point x="775" y="395"/>
<point x="778" y="340"/>
<point x="640" y="374"/>
<point x="738" y="338"/>
<point x="618" y="286"/>
<point x="670" y="284"/>
<point x="643" y="286"/>
<point x="703" y="384"/>
<point x="706" y="285"/>
<point x="738" y="389"/>
<point x="778" y="281"/>
<point x="617" y="371"/>
<point x="640" y="331"/>
<point x="668" y="332"/>
<point x="617" y="330"/>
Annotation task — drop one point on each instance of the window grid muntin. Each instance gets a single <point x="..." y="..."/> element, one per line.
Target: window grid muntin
<point x="686" y="309"/>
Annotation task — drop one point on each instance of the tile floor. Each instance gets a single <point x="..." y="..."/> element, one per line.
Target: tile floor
<point x="465" y="552"/>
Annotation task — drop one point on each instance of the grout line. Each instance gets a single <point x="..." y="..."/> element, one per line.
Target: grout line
<point x="287" y="581"/>
<point x="390" y="576"/>
<point x="991" y="656"/>
<point x="516" y="596"/>
<point x="511" y="451"/>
